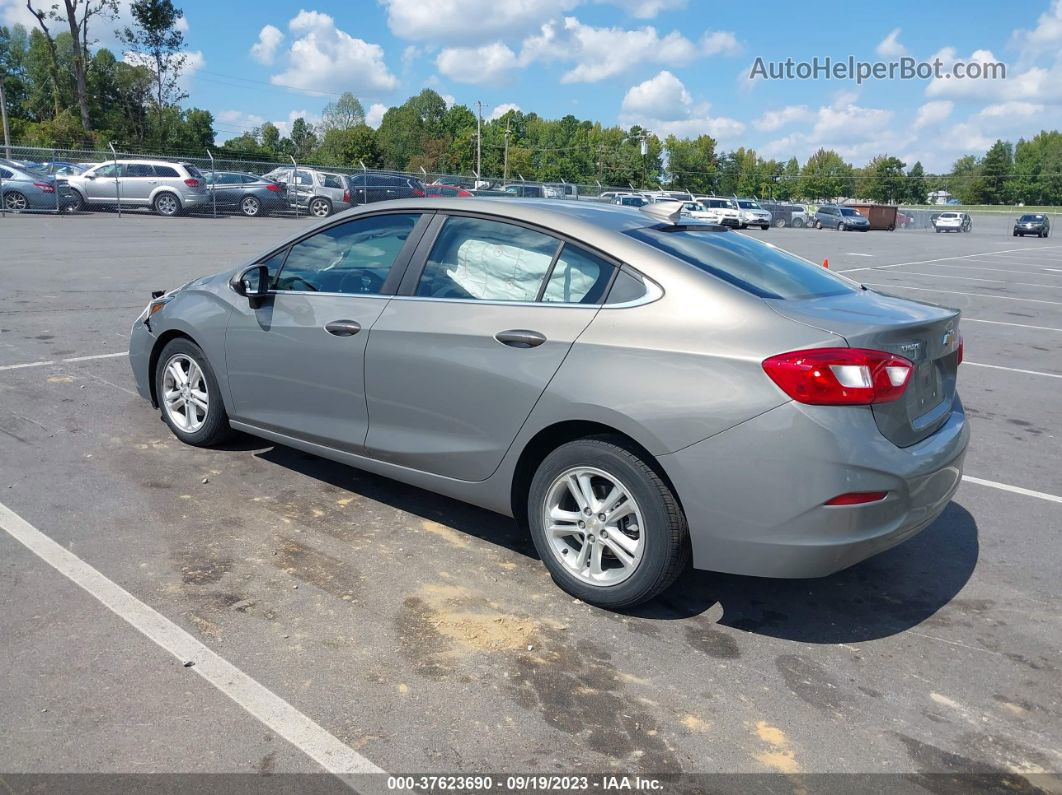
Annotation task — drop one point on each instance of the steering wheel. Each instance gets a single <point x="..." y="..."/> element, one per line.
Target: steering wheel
<point x="364" y="281"/>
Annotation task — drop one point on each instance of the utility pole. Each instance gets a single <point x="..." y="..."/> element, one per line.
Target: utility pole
<point x="479" y="139"/>
<point x="645" y="155"/>
<point x="505" y="170"/>
<point x="3" y="115"/>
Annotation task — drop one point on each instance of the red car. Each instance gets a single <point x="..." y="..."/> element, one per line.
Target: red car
<point x="439" y="191"/>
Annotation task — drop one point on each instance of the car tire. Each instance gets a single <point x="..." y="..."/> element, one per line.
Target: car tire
<point x="320" y="207"/>
<point x="251" y="207"/>
<point x="1015" y="234"/>
<point x="655" y="557"/>
<point x="818" y="224"/>
<point x="78" y="204"/>
<point x="841" y="227"/>
<point x="798" y="223"/>
<point x="166" y="204"/>
<point x="935" y="229"/>
<point x="765" y="227"/>
<point x="15" y="202"/>
<point x="779" y="222"/>
<point x="213" y="426"/>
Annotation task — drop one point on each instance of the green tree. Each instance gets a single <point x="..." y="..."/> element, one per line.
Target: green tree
<point x="884" y="180"/>
<point x="964" y="180"/>
<point x="344" y="113"/>
<point x="826" y="176"/>
<point x="789" y="181"/>
<point x="917" y="190"/>
<point x="303" y="139"/>
<point x="996" y="168"/>
<point x="157" y="41"/>
<point x="691" y="163"/>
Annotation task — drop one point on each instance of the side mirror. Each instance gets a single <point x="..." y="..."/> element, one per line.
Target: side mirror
<point x="252" y="283"/>
<point x="90" y="176"/>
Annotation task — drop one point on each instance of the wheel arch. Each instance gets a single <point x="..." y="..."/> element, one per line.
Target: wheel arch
<point x="553" y="436"/>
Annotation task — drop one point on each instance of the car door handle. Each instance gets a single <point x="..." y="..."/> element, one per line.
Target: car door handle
<point x="343" y="328"/>
<point x="520" y="338"/>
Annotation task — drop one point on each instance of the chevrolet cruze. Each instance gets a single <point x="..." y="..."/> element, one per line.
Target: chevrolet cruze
<point x="633" y="387"/>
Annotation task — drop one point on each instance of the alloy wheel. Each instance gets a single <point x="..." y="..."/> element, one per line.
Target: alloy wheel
<point x="15" y="201"/>
<point x="593" y="526"/>
<point x="185" y="396"/>
<point x="320" y="208"/>
<point x="250" y="206"/>
<point x="166" y="204"/>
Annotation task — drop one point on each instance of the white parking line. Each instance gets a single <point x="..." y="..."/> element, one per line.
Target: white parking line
<point x="1004" y="323"/>
<point x="58" y="361"/>
<point x="857" y="254"/>
<point x="1012" y="369"/>
<point x="975" y="279"/>
<point x="957" y="292"/>
<point x="96" y="356"/>
<point x="1013" y="489"/>
<point x="27" y="364"/>
<point x="281" y="717"/>
<point x="998" y="270"/>
<point x="939" y="259"/>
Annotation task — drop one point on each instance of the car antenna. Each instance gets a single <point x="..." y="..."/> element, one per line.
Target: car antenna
<point x="664" y="211"/>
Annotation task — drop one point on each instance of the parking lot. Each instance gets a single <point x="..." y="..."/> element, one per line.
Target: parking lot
<point x="424" y="636"/>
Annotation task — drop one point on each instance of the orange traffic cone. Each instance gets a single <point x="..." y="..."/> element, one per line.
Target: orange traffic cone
<point x="826" y="264"/>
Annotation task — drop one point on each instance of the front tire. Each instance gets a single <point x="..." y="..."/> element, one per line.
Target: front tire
<point x="15" y="201"/>
<point x="840" y="227"/>
<point x="188" y="395"/>
<point x="629" y="556"/>
<point x="166" y="204"/>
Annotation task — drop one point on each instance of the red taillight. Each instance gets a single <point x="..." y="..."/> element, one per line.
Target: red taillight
<point x="959" y="353"/>
<point x="840" y="376"/>
<point x="858" y="498"/>
<point x="44" y="186"/>
<point x="346" y="196"/>
<point x="418" y="192"/>
<point x="192" y="182"/>
<point x="274" y="188"/>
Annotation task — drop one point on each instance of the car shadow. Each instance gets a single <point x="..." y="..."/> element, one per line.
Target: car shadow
<point x="486" y="525"/>
<point x="881" y="596"/>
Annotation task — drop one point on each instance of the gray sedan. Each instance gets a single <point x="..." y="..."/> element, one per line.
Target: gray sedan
<point x="25" y="189"/>
<point x="633" y="388"/>
<point x="248" y="194"/>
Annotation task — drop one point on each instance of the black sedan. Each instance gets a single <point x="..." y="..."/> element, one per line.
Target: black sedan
<point x="1033" y="224"/>
<point x="248" y="194"/>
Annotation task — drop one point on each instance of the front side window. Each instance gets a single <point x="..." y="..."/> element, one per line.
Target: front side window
<point x="5" y="173"/>
<point x="755" y="267"/>
<point x="849" y="212"/>
<point x="229" y="179"/>
<point x="486" y="260"/>
<point x="355" y="257"/>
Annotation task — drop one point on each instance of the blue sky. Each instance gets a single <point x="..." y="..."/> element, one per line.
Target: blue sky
<point x="675" y="66"/>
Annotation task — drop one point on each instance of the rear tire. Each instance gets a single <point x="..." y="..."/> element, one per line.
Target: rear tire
<point x="190" y="423"/>
<point x="320" y="208"/>
<point x="779" y="222"/>
<point x="166" y="204"/>
<point x="654" y="531"/>
<point x="251" y="207"/>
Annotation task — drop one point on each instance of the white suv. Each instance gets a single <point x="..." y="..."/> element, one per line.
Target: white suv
<point x="729" y="214"/>
<point x="753" y="215"/>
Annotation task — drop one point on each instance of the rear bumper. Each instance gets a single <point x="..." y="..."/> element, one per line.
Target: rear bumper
<point x="754" y="495"/>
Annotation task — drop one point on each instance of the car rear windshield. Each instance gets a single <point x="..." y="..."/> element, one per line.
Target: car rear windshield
<point x="754" y="266"/>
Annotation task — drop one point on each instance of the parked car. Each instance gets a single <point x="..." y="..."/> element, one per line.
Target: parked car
<point x="836" y="433"/>
<point x="437" y="191"/>
<point x="698" y="212"/>
<point x="630" y="200"/>
<point x="247" y="193"/>
<point x="25" y="189"/>
<point x="751" y="214"/>
<point x="1033" y="224"/>
<point x="952" y="222"/>
<point x="456" y="182"/>
<point x="166" y="187"/>
<point x="320" y="193"/>
<point x="786" y="214"/>
<point x="528" y="190"/>
<point x="729" y="212"/>
<point x="376" y="186"/>
<point x="843" y="219"/>
<point x="61" y="169"/>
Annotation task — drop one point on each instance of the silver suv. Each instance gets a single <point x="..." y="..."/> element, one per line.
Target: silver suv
<point x="319" y="192"/>
<point x="164" y="186"/>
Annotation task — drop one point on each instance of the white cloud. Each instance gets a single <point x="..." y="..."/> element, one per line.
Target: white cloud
<point x="846" y="121"/>
<point x="469" y="21"/>
<point x="449" y="99"/>
<point x="374" y="115"/>
<point x="645" y="9"/>
<point x="660" y="97"/>
<point x="1009" y="110"/>
<point x="1034" y="84"/>
<point x="720" y="42"/>
<point x="487" y="64"/>
<point x="232" y="123"/>
<point x="312" y="119"/>
<point x="325" y="59"/>
<point x="265" y="49"/>
<point x="932" y="113"/>
<point x="890" y="46"/>
<point x="501" y="110"/>
<point x="776" y="119"/>
<point x="1046" y="36"/>
<point x="664" y="105"/>
<point x="601" y="53"/>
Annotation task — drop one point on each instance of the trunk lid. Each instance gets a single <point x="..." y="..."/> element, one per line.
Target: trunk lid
<point x="926" y="334"/>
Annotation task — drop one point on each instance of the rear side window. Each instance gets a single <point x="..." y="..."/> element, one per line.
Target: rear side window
<point x="193" y="171"/>
<point x="331" y="181"/>
<point x="626" y="287"/>
<point x="486" y="260"/>
<point x="5" y="173"/>
<point x="246" y="179"/>
<point x="139" y="170"/>
<point x="578" y="277"/>
<point x="166" y="171"/>
<point x="747" y="263"/>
